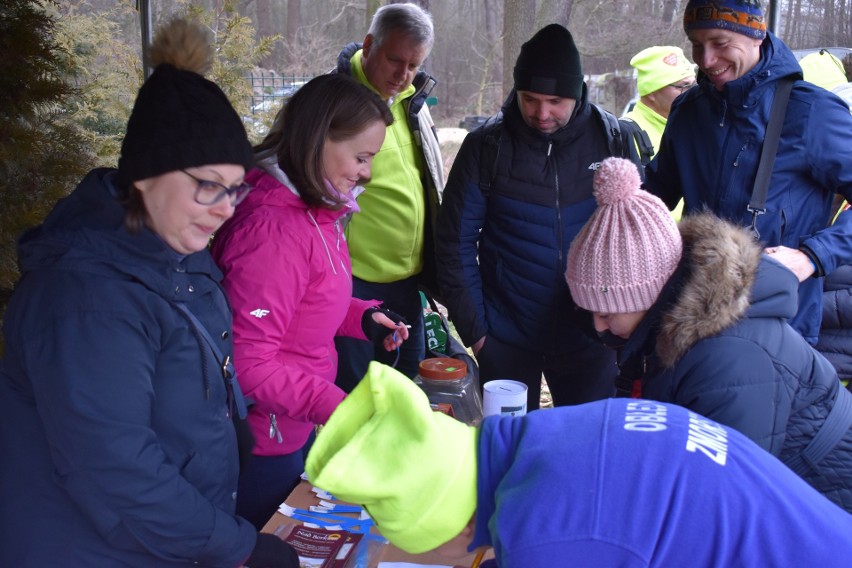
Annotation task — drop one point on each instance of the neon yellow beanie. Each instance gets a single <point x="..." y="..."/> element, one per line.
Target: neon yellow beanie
<point x="412" y="469"/>
<point x="823" y="69"/>
<point x="659" y="66"/>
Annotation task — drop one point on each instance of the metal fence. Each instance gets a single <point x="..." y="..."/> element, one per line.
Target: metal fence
<point x="270" y="90"/>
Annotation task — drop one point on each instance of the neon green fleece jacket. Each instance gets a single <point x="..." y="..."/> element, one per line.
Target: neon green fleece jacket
<point x="651" y="122"/>
<point x="388" y="237"/>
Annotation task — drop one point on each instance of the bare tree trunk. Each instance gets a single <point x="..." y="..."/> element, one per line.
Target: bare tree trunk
<point x="788" y="24"/>
<point x="553" y="12"/>
<point x="794" y="11"/>
<point x="670" y="11"/>
<point x="422" y="3"/>
<point x="490" y="23"/>
<point x="372" y="6"/>
<point x="827" y="36"/>
<point x="294" y="19"/>
<point x="518" y="23"/>
<point x="493" y="46"/>
<point x="264" y="27"/>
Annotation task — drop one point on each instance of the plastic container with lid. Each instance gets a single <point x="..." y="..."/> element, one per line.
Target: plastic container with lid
<point x="450" y="388"/>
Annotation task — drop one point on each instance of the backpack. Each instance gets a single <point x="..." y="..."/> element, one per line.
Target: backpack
<point x="616" y="139"/>
<point x="643" y="142"/>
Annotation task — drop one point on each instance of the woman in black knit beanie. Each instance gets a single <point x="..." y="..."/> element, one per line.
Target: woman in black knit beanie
<point x="117" y="388"/>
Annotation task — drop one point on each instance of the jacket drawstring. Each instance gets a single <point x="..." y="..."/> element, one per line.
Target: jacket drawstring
<point x="724" y="113"/>
<point x="325" y="244"/>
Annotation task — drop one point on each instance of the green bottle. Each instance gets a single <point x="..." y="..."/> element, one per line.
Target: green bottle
<point x="436" y="334"/>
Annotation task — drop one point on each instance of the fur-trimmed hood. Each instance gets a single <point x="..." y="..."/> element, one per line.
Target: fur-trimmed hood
<point x="729" y="278"/>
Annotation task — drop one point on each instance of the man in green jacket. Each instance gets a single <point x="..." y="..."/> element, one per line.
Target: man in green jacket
<point x="662" y="73"/>
<point x="390" y="240"/>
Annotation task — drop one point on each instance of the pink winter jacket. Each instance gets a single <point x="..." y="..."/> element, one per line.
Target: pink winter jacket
<point x="287" y="275"/>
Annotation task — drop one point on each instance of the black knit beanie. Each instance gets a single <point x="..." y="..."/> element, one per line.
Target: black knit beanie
<point x="549" y="64"/>
<point x="180" y="119"/>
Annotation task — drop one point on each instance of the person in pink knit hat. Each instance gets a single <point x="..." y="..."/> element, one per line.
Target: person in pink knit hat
<point x="698" y="316"/>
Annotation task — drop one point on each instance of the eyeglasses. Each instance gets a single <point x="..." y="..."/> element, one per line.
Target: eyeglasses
<point x="682" y="86"/>
<point x="210" y="192"/>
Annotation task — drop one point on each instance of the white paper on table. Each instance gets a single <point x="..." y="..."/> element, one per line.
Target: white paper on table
<point x="410" y="565"/>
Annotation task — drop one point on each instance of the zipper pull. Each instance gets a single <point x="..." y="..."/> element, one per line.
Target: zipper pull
<point x="274" y="432"/>
<point x="740" y="153"/>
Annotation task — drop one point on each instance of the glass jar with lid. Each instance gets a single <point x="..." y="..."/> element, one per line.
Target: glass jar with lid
<point x="450" y="388"/>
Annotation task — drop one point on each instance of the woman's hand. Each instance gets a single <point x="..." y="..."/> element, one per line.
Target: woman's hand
<point x="400" y="331"/>
<point x="384" y="327"/>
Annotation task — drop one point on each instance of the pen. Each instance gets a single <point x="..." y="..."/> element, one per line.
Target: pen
<point x="478" y="559"/>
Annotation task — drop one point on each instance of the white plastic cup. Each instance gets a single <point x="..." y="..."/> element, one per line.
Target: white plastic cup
<point x="504" y="398"/>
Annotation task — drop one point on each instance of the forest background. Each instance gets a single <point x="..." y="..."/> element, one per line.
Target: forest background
<point x="70" y="70"/>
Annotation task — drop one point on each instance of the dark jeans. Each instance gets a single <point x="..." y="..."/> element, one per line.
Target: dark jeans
<point x="354" y="355"/>
<point x="584" y="371"/>
<point x="266" y="483"/>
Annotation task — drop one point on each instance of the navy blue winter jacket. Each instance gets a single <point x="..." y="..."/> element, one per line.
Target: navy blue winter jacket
<point x="717" y="342"/>
<point x="709" y="155"/>
<point x="115" y="442"/>
<point x="502" y="256"/>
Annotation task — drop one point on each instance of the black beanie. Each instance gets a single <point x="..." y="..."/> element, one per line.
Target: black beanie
<point x="180" y="119"/>
<point x="549" y="64"/>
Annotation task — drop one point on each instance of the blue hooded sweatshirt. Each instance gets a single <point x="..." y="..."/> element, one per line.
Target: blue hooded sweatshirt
<point x="636" y="483"/>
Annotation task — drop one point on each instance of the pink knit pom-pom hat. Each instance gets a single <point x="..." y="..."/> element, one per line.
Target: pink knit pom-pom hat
<point x="629" y="248"/>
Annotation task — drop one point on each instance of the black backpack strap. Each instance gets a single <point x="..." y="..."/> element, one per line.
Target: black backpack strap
<point x="632" y="130"/>
<point x="612" y="129"/>
<point x="489" y="151"/>
<point x="757" y="204"/>
<point x="619" y="141"/>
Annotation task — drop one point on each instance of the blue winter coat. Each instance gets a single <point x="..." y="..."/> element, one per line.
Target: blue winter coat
<point x="717" y="342"/>
<point x="710" y="151"/>
<point x="633" y="483"/>
<point x="502" y="255"/>
<point x="115" y="440"/>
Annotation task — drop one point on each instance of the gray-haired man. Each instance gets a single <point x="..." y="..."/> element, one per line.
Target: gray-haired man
<point x="390" y="240"/>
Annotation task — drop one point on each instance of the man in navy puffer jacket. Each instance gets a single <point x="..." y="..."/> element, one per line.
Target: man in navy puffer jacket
<point x="502" y="249"/>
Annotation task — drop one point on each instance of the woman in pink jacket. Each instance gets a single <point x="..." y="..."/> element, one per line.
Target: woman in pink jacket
<point x="287" y="275"/>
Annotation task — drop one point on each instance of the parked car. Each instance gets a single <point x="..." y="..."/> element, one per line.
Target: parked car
<point x="629" y="106"/>
<point x="472" y="122"/>
<point x="838" y="52"/>
<point x="276" y="98"/>
<point x="265" y="106"/>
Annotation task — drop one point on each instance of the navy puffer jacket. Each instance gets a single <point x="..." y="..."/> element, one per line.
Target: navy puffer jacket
<point x="835" y="337"/>
<point x="502" y="255"/>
